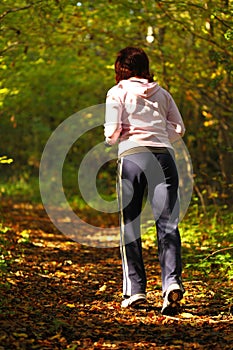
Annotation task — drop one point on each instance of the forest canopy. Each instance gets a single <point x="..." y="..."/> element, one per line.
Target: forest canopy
<point x="57" y="58"/>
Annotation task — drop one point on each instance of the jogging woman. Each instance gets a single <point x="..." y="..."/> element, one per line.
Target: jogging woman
<point x="144" y="119"/>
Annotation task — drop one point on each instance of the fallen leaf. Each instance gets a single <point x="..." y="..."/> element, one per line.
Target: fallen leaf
<point x="186" y="315"/>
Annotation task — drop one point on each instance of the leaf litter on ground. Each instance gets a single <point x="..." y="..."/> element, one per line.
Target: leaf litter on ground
<point x="58" y="294"/>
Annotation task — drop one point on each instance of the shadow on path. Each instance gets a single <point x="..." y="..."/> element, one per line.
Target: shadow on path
<point x="58" y="294"/>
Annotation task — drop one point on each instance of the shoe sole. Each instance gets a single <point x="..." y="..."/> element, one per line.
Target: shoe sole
<point x="135" y="303"/>
<point x="174" y="307"/>
<point x="138" y="303"/>
<point x="175" y="296"/>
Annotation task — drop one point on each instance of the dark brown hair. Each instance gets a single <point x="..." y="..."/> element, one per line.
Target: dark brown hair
<point x="132" y="62"/>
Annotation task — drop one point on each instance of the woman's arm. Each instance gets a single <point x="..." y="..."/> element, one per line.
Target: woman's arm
<point x="175" y="124"/>
<point x="112" y="126"/>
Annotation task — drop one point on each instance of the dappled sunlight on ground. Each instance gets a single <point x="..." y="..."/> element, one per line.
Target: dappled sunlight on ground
<point x="58" y="294"/>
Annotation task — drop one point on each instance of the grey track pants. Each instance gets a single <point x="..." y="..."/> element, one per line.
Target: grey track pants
<point x="157" y="172"/>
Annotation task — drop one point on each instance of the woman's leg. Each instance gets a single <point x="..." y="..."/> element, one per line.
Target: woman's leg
<point x="165" y="205"/>
<point x="131" y="185"/>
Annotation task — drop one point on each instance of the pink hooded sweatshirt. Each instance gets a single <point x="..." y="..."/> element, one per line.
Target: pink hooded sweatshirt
<point x="139" y="113"/>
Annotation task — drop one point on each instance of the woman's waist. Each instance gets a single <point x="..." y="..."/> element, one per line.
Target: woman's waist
<point x="131" y="147"/>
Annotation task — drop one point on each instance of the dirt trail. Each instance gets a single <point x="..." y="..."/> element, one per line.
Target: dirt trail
<point x="58" y="294"/>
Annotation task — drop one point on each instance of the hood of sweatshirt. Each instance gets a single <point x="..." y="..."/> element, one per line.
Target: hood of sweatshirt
<point x="139" y="87"/>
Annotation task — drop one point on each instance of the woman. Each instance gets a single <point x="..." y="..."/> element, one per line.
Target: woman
<point x="145" y="120"/>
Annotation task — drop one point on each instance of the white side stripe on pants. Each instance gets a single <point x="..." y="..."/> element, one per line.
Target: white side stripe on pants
<point x="126" y="279"/>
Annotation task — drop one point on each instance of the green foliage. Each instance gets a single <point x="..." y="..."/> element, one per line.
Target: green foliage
<point x="3" y="249"/>
<point x="24" y="237"/>
<point x="5" y="160"/>
<point x="220" y="263"/>
<point x="22" y="188"/>
<point x="207" y="241"/>
<point x="57" y="58"/>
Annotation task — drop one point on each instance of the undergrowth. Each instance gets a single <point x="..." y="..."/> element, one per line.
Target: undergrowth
<point x="207" y="243"/>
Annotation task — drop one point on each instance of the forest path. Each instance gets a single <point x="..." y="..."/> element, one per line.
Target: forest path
<point x="58" y="294"/>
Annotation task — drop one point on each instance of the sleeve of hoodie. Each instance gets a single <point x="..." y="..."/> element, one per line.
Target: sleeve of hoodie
<point x="175" y="124"/>
<point x="113" y="113"/>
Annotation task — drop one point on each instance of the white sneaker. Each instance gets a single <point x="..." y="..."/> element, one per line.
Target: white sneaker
<point x="134" y="300"/>
<point x="172" y="297"/>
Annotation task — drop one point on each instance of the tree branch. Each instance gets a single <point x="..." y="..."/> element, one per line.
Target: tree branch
<point x="8" y="48"/>
<point x="217" y="251"/>
<point x="5" y="13"/>
<point x="195" y="34"/>
<point x="201" y="197"/>
<point x="17" y="9"/>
